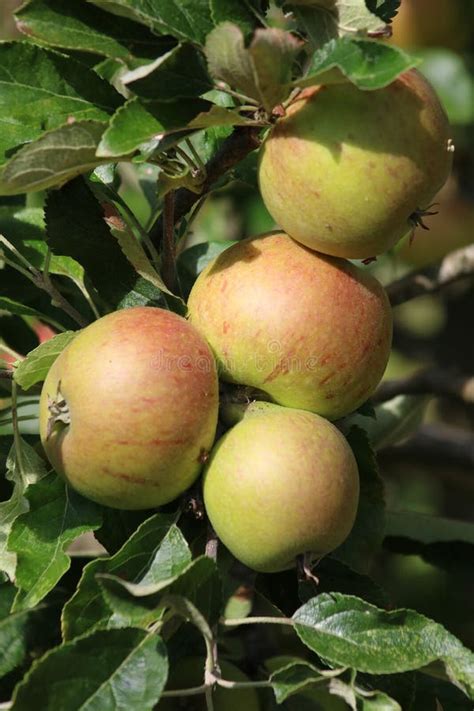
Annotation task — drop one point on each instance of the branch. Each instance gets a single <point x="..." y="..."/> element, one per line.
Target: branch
<point x="429" y="381"/>
<point x="455" y="266"/>
<point x="235" y="148"/>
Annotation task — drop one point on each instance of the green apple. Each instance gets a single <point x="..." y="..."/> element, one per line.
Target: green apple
<point x="311" y="331"/>
<point x="190" y="673"/>
<point x="130" y="407"/>
<point x="281" y="483"/>
<point x="345" y="170"/>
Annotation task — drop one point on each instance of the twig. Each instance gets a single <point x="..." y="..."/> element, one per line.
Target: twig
<point x="168" y="253"/>
<point x="429" y="381"/>
<point x="235" y="148"/>
<point x="455" y="266"/>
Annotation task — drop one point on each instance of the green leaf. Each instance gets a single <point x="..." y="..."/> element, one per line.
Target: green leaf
<point x="73" y="24"/>
<point x="34" y="368"/>
<point x="58" y="90"/>
<point x="53" y="159"/>
<point x="87" y="609"/>
<point x="135" y="602"/>
<point x="296" y="676"/>
<point x="56" y="517"/>
<point x="112" y="670"/>
<point x="244" y="13"/>
<point x="188" y="19"/>
<point x="20" y="632"/>
<point x="262" y="71"/>
<point x="347" y="631"/>
<point x="9" y="306"/>
<point x="181" y="73"/>
<point x="354" y="15"/>
<point x="24" y="468"/>
<point x="367" y="64"/>
<point x="25" y="229"/>
<point x="428" y="529"/>
<point x="366" y="537"/>
<point x="76" y="227"/>
<point x="385" y="9"/>
<point x="394" y="420"/>
<point x="136" y="255"/>
<point x="193" y="260"/>
<point x="140" y="121"/>
<point x="28" y="416"/>
<point x="319" y="23"/>
<point x="117" y="527"/>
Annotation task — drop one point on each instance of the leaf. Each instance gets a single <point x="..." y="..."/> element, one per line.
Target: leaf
<point x="135" y="602"/>
<point x="181" y="73"/>
<point x="296" y="676"/>
<point x="117" y="527"/>
<point x="56" y="517"/>
<point x="111" y="670"/>
<point x="262" y="71"/>
<point x="367" y="64"/>
<point x="136" y="255"/>
<point x="139" y="121"/>
<point x="354" y="15"/>
<point x="76" y="227"/>
<point x="188" y="19"/>
<point x="25" y="229"/>
<point x="347" y="631"/>
<point x="9" y="306"/>
<point x="394" y="420"/>
<point x="34" y="368"/>
<point x="73" y="24"/>
<point x="28" y="416"/>
<point x="366" y="537"/>
<point x="385" y="9"/>
<point x="244" y="14"/>
<point x="60" y="89"/>
<point x="320" y="23"/>
<point x="20" y="631"/>
<point x="193" y="260"/>
<point x="24" y="468"/>
<point x="87" y="610"/>
<point x="53" y="159"/>
<point x="428" y="529"/>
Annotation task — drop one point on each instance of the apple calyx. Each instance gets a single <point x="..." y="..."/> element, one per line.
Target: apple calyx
<point x="58" y="411"/>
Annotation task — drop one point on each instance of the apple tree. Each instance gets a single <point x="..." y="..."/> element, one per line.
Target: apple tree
<point x="197" y="442"/>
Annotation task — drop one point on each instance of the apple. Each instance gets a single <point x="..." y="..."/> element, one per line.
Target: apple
<point x="311" y="331"/>
<point x="345" y="171"/>
<point x="129" y="408"/>
<point x="190" y="672"/>
<point x="281" y="483"/>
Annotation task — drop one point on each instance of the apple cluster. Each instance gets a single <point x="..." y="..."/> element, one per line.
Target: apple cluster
<point x="346" y="174"/>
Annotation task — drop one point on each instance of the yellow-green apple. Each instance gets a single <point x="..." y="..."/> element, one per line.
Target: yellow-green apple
<point x="189" y="673"/>
<point x="129" y="408"/>
<point x="346" y="171"/>
<point x="281" y="483"/>
<point x="311" y="331"/>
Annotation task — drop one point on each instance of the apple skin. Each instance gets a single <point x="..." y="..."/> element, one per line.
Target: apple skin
<point x="280" y="483"/>
<point x="142" y="392"/>
<point x="190" y="672"/>
<point x="311" y="331"/>
<point x="345" y="169"/>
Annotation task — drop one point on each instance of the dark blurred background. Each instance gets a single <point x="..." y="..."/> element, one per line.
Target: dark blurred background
<point x="432" y="472"/>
